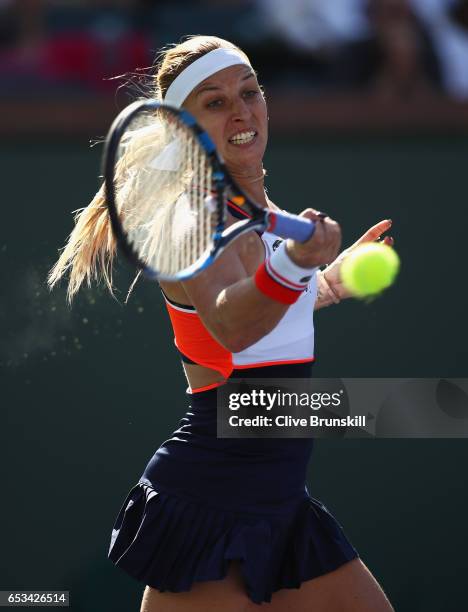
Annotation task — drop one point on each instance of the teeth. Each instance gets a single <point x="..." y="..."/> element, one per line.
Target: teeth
<point x="242" y="137"/>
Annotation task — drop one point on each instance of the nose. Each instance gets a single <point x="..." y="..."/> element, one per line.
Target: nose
<point x="240" y="110"/>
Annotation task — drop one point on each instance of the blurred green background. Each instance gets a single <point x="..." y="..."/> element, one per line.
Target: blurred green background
<point x="89" y="392"/>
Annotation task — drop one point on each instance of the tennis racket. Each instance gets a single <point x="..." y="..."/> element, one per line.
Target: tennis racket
<point x="167" y="191"/>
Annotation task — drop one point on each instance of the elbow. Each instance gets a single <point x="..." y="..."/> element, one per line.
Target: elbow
<point x="236" y="345"/>
<point x="232" y="342"/>
<point x="236" y="341"/>
<point x="236" y="334"/>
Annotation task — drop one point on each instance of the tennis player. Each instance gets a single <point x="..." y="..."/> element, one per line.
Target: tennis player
<point x="228" y="524"/>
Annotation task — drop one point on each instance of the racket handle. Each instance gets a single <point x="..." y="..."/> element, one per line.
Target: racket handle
<point x="290" y="226"/>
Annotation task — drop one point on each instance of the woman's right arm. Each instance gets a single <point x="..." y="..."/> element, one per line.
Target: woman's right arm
<point x="226" y="296"/>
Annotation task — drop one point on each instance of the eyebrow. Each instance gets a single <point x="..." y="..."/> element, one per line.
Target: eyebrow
<point x="208" y="87"/>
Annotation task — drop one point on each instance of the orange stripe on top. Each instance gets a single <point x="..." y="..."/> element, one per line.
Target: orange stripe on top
<point x="195" y="341"/>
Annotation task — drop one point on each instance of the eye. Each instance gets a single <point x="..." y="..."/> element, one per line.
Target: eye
<point x="251" y="93"/>
<point x="214" y="103"/>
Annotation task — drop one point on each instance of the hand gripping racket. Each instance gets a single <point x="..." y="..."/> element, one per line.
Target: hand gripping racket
<point x="167" y="191"/>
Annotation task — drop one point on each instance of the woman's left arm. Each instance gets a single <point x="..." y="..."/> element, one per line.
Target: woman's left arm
<point x="330" y="289"/>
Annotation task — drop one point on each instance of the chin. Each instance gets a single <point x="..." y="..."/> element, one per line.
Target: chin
<point x="243" y="161"/>
<point x="250" y="156"/>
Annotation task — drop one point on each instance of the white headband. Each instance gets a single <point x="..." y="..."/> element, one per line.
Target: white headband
<point x="198" y="71"/>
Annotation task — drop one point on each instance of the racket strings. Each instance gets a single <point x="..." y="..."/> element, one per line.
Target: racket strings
<point x="162" y="179"/>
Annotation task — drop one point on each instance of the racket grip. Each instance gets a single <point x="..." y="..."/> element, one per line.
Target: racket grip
<point x="290" y="226"/>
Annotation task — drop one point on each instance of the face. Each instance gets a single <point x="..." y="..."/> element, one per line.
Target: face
<point x="231" y="108"/>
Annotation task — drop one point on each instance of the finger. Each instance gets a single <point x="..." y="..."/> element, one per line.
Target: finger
<point x="375" y="231"/>
<point x="314" y="215"/>
<point x="388" y="240"/>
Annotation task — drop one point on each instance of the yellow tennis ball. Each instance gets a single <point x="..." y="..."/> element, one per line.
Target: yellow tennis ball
<point x="369" y="269"/>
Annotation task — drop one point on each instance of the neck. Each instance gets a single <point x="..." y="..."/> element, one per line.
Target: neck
<point x="252" y="183"/>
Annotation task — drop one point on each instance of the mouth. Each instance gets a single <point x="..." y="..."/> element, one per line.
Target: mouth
<point x="243" y="138"/>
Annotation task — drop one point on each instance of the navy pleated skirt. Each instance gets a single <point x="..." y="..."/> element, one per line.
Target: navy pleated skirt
<point x="203" y="501"/>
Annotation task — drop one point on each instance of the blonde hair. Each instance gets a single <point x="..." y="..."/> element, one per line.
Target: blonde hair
<point x="89" y="252"/>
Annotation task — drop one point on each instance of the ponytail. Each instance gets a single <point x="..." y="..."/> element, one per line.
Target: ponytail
<point x="90" y="249"/>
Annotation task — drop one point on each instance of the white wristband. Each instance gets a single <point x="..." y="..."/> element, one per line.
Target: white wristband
<point x="282" y="269"/>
